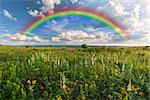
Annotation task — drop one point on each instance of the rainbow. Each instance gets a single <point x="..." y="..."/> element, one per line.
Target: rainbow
<point x="98" y="16"/>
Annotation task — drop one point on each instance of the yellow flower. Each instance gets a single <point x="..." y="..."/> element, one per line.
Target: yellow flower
<point x="96" y="77"/>
<point x="129" y="88"/>
<point x="68" y="89"/>
<point x="83" y="97"/>
<point x="92" y="85"/>
<point x="29" y="82"/>
<point x="59" y="98"/>
<point x="33" y="82"/>
<point x="119" y="95"/>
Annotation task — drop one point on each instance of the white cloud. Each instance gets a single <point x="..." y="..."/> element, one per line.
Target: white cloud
<point x="146" y="24"/>
<point x="20" y="37"/>
<point x="38" y="39"/>
<point x="79" y="37"/>
<point x="49" y="4"/>
<point x="119" y="12"/>
<point x="34" y="13"/>
<point x="9" y="15"/>
<point x="128" y="13"/>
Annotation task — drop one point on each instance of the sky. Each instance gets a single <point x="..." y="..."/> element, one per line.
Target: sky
<point x="74" y="30"/>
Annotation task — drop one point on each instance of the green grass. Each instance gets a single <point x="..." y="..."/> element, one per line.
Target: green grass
<point x="74" y="73"/>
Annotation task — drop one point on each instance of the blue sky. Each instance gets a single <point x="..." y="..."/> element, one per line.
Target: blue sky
<point x="16" y="14"/>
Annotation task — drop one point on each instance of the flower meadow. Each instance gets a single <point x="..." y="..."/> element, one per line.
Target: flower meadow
<point x="74" y="73"/>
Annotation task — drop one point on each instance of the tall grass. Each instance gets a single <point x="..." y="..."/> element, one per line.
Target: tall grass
<point x="74" y="73"/>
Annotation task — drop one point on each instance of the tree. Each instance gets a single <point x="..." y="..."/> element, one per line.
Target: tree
<point x="84" y="45"/>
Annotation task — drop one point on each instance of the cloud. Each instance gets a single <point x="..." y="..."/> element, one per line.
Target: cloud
<point x="24" y="38"/>
<point x="18" y="37"/>
<point x="127" y="13"/>
<point x="49" y="4"/>
<point x="40" y="14"/>
<point x="80" y="37"/>
<point x="145" y="40"/>
<point x="146" y="24"/>
<point x="119" y="12"/>
<point x="9" y="15"/>
<point x="34" y="13"/>
<point x="38" y="39"/>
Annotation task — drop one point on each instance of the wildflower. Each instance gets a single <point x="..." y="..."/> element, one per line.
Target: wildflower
<point x="119" y="95"/>
<point x="96" y="77"/>
<point x="93" y="60"/>
<point x="37" y="69"/>
<point x="83" y="97"/>
<point x="110" y="96"/>
<point x="59" y="98"/>
<point x="141" y="93"/>
<point x="45" y="93"/>
<point x="29" y="82"/>
<point x="129" y="88"/>
<point x="33" y="82"/>
<point x="68" y="89"/>
<point x="140" y="76"/>
<point x="92" y="85"/>
<point x="64" y="86"/>
<point x="138" y="88"/>
<point x="46" y="77"/>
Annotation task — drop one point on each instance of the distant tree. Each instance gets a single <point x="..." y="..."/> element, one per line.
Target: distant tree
<point x="146" y="48"/>
<point x="27" y="46"/>
<point x="84" y="45"/>
<point x="0" y="44"/>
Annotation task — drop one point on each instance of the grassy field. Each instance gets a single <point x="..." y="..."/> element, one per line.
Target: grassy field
<point x="65" y="73"/>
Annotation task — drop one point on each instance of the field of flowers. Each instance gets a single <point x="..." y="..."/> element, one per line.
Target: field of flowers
<point x="65" y="73"/>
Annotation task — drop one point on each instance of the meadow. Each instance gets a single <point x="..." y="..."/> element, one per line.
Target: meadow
<point x="67" y="73"/>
